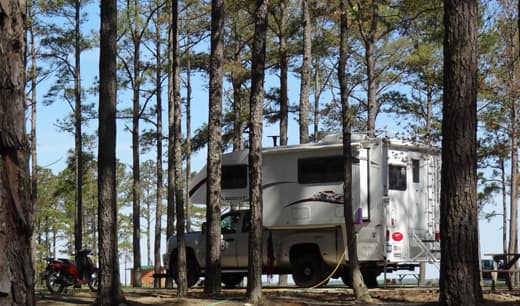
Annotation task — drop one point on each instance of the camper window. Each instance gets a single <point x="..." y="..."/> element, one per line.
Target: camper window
<point x="320" y="169"/>
<point x="397" y="177"/>
<point x="415" y="171"/>
<point x="234" y="177"/>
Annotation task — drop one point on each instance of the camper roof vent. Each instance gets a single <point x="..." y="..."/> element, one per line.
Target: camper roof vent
<point x="338" y="138"/>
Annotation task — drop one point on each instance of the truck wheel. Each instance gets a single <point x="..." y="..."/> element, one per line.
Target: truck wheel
<point x="346" y="280"/>
<point x="231" y="280"/>
<point x="370" y="279"/>
<point x="192" y="269"/>
<point x="307" y="270"/>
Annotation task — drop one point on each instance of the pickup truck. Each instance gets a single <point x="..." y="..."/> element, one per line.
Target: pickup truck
<point x="310" y="255"/>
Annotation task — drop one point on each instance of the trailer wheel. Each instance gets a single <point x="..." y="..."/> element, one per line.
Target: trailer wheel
<point x="231" y="280"/>
<point x="308" y="270"/>
<point x="192" y="268"/>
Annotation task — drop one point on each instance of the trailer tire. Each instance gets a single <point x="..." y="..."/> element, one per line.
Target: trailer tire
<point x="308" y="270"/>
<point x="192" y="268"/>
<point x="231" y="280"/>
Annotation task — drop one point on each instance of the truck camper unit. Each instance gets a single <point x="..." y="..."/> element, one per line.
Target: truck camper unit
<point x="395" y="199"/>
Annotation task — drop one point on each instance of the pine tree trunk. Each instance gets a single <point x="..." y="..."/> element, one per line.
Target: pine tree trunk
<point x="136" y="170"/>
<point x="354" y="272"/>
<point x="422" y="274"/>
<point x="370" y="44"/>
<point x="158" y="137"/>
<point x="238" y="142"/>
<point x="182" y="285"/>
<point x="16" y="213"/>
<point x="236" y="83"/>
<point x="305" y="73"/>
<point x="316" y="109"/>
<point x="254" y="273"/>
<point x="284" y="69"/>
<point x="110" y="292"/>
<point x="504" y="204"/>
<point x="459" y="277"/>
<point x="188" y="142"/>
<point x="513" y="195"/>
<point x="170" y="210"/>
<point x="78" y="139"/>
<point x="212" y="284"/>
<point x="283" y="280"/>
<point x="33" y="137"/>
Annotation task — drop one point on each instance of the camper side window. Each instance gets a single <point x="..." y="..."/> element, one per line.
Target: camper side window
<point x="320" y="170"/>
<point x="234" y="177"/>
<point x="396" y="177"/>
<point x="415" y="171"/>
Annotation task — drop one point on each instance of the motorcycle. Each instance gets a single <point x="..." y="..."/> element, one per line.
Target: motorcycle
<point x="61" y="272"/>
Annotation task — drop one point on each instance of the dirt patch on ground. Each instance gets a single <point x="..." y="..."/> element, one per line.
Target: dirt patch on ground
<point x="275" y="296"/>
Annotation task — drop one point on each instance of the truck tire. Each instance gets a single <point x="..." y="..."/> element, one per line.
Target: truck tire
<point x="192" y="268"/>
<point x="231" y="280"/>
<point x="370" y="279"/>
<point x="308" y="270"/>
<point x="346" y="280"/>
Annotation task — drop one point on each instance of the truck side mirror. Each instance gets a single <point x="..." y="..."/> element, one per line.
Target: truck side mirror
<point x="203" y="227"/>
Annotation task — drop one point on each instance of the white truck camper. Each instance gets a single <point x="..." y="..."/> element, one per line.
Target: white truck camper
<point x="396" y="198"/>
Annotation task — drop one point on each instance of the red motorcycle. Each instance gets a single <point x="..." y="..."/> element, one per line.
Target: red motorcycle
<point x="62" y="272"/>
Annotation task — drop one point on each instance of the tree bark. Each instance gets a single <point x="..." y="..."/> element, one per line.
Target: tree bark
<point x="159" y="136"/>
<point x="188" y="142"/>
<point x="254" y="271"/>
<point x="136" y="170"/>
<point x="78" y="139"/>
<point x="305" y="73"/>
<point x="213" y="263"/>
<point x="16" y="213"/>
<point x="513" y="197"/>
<point x="504" y="204"/>
<point x="182" y="283"/>
<point x="170" y="210"/>
<point x="354" y="272"/>
<point x="284" y="69"/>
<point x="460" y="275"/>
<point x="110" y="292"/>
<point x="34" y="118"/>
<point x="370" y="42"/>
<point x="237" y="79"/>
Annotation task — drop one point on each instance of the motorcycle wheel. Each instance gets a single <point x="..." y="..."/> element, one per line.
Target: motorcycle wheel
<point x="54" y="282"/>
<point x="93" y="282"/>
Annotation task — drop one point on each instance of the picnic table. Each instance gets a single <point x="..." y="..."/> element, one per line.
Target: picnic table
<point x="402" y="276"/>
<point x="509" y="260"/>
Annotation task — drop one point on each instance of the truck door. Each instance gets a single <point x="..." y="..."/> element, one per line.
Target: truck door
<point x="230" y="228"/>
<point x="243" y="241"/>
